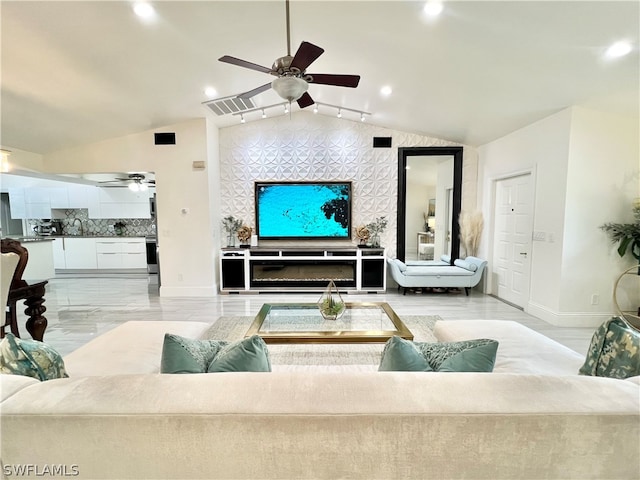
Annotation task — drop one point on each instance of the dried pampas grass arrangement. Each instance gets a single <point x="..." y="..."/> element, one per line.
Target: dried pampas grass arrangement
<point x="471" y="225"/>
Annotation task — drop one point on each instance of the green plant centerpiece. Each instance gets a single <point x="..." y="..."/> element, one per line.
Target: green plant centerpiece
<point x="331" y="305"/>
<point x="376" y="228"/>
<point x="231" y="225"/>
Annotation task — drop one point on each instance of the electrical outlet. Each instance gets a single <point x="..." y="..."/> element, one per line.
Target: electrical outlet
<point x="551" y="237"/>
<point x="595" y="299"/>
<point x="179" y="277"/>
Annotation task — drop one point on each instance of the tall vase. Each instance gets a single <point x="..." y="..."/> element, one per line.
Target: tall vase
<point x="375" y="240"/>
<point x="231" y="239"/>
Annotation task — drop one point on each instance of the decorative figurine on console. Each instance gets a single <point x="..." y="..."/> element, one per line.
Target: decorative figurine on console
<point x="244" y="235"/>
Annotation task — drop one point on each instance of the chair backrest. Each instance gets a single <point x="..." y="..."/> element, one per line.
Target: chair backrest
<point x="13" y="246"/>
<point x="8" y="268"/>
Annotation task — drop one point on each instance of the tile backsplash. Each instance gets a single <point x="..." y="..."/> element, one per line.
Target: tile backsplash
<point x="77" y="222"/>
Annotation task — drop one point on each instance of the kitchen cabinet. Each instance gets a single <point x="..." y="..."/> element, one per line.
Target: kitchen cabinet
<point x="17" y="203"/>
<point x="80" y="253"/>
<point x="123" y="203"/>
<point x="59" y="197"/>
<point x="59" y="261"/>
<point x="121" y="252"/>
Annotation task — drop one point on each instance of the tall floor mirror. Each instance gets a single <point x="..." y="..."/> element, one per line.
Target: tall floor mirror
<point x="429" y="202"/>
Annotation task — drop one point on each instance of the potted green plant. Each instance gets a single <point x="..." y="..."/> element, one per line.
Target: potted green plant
<point x="119" y="228"/>
<point x="376" y="228"/>
<point x="626" y="235"/>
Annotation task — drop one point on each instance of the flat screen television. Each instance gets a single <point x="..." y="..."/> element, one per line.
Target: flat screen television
<point x="303" y="210"/>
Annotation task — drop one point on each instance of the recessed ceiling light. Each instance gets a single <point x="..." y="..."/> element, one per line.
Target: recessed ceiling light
<point x="144" y="10"/>
<point x="386" y="90"/>
<point x="619" y="49"/>
<point x="210" y="92"/>
<point x="433" y="8"/>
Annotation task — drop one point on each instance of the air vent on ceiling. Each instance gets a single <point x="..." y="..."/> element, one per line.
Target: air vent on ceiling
<point x="230" y="105"/>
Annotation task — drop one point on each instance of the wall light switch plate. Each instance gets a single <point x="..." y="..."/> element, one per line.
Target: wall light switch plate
<point x="539" y="236"/>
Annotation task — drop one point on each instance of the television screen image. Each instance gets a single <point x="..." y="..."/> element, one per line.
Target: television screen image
<point x="288" y="210"/>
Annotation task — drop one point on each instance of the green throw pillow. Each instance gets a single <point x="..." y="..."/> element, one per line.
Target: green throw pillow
<point x="466" y="356"/>
<point x="30" y="358"/>
<point x="186" y="355"/>
<point x="248" y="355"/>
<point x="614" y="351"/>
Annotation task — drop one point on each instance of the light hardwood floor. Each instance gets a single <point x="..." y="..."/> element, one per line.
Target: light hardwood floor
<point x="81" y="308"/>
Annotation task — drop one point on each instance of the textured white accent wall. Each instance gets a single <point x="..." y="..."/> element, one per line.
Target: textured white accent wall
<point x="319" y="147"/>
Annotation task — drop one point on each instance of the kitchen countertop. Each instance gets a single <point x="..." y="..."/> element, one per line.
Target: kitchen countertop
<point x="50" y="238"/>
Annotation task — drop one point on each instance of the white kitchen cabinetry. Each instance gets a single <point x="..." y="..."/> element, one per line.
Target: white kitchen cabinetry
<point x="123" y="203"/>
<point x="17" y="203"/>
<point x="59" y="197"/>
<point x="80" y="253"/>
<point x="59" y="261"/>
<point x="121" y="253"/>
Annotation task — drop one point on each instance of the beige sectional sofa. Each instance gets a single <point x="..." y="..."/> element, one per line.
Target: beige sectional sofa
<point x="116" y="417"/>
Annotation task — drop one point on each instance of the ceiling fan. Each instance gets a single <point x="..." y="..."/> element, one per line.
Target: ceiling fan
<point x="136" y="182"/>
<point x="292" y="79"/>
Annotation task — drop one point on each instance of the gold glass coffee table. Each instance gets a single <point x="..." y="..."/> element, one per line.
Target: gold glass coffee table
<point x="302" y="323"/>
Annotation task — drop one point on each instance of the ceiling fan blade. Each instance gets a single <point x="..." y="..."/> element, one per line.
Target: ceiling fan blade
<point x="307" y="53"/>
<point x="337" y="80"/>
<point x="255" y="91"/>
<point x="305" y="100"/>
<point x="244" y="63"/>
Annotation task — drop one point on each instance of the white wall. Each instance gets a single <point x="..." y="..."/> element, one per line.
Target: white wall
<point x="603" y="180"/>
<point x="584" y="165"/>
<point x="185" y="232"/>
<point x="319" y="147"/>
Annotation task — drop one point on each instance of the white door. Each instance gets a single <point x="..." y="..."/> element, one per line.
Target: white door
<point x="512" y="239"/>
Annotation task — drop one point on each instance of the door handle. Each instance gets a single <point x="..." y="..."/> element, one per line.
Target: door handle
<point x="523" y="253"/>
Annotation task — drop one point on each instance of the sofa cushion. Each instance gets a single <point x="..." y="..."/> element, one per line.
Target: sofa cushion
<point x="438" y="271"/>
<point x="522" y="350"/>
<point x="401" y="265"/>
<point x="472" y="267"/>
<point x="247" y="355"/>
<point x="186" y="355"/>
<point x="467" y="356"/>
<point x="132" y="347"/>
<point x="30" y="358"/>
<point x="614" y="351"/>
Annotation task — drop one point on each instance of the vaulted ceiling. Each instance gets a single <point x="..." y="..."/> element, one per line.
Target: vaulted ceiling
<point x="77" y="72"/>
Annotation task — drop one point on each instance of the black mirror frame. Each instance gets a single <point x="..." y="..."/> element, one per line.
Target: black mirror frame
<point x="403" y="154"/>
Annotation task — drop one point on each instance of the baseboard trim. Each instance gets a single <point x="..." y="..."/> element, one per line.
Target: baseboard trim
<point x="572" y="319"/>
<point x="188" y="291"/>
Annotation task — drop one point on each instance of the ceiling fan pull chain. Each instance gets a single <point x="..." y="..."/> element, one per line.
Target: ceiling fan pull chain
<point x="288" y="30"/>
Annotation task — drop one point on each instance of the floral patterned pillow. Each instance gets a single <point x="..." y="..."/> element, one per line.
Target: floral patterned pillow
<point x="30" y="358"/>
<point x="614" y="351"/>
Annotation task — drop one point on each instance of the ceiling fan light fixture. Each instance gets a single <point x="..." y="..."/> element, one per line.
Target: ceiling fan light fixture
<point x="290" y="88"/>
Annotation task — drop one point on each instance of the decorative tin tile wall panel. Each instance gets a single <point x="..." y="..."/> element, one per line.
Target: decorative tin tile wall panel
<point x="319" y="147"/>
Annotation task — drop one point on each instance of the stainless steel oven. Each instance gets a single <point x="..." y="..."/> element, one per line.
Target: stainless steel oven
<point x="152" y="254"/>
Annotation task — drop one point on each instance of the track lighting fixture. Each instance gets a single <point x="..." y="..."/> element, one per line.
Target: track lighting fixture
<point x="287" y="109"/>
